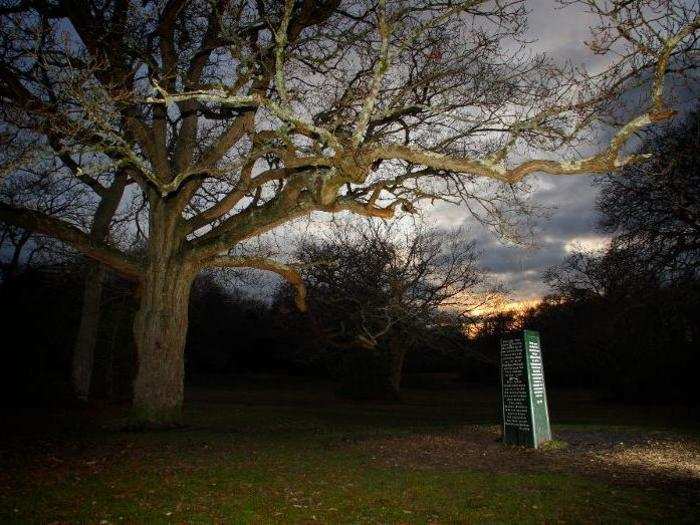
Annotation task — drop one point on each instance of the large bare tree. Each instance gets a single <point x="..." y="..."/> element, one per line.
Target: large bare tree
<point x="237" y="116"/>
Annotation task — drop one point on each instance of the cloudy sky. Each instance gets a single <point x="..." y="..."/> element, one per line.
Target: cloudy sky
<point x="572" y="217"/>
<point x="571" y="223"/>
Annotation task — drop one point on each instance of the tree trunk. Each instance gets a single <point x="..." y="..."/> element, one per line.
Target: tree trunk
<point x="160" y="326"/>
<point x="86" y="340"/>
<point x="84" y="350"/>
<point x="12" y="268"/>
<point x="397" y="354"/>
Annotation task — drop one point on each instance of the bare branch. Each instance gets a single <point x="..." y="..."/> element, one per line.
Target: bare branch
<point x="289" y="273"/>
<point x="81" y="241"/>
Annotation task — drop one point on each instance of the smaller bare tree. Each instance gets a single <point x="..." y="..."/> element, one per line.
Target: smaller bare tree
<point x="373" y="287"/>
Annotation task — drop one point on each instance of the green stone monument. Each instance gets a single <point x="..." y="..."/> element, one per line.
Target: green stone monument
<point x="523" y="395"/>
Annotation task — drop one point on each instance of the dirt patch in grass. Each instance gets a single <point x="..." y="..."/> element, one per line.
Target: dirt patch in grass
<point x="645" y="460"/>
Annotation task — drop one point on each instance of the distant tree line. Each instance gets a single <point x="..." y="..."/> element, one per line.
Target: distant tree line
<point x="381" y="300"/>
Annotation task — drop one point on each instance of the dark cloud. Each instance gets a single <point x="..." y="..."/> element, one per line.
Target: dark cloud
<point x="571" y="220"/>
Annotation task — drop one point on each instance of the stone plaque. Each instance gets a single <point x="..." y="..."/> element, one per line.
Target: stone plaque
<point x="523" y="394"/>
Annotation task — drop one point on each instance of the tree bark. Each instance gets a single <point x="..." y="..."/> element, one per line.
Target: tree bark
<point x="397" y="354"/>
<point x="160" y="326"/>
<point x="84" y="350"/>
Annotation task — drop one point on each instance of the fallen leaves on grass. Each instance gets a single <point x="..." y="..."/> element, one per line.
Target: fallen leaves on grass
<point x="676" y="458"/>
<point x="629" y="458"/>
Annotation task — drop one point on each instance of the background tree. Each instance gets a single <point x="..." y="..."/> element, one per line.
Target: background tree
<point x="653" y="209"/>
<point x="39" y="304"/>
<point x="53" y="194"/>
<point x="237" y="117"/>
<point x="83" y="353"/>
<point x="645" y="331"/>
<point x="375" y="293"/>
<point x="59" y="195"/>
<point x="642" y="292"/>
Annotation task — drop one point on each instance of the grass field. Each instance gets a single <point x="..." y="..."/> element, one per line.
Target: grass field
<point x="264" y="453"/>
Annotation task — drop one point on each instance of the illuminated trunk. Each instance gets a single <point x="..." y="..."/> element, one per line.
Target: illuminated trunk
<point x="160" y="326"/>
